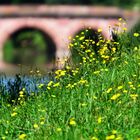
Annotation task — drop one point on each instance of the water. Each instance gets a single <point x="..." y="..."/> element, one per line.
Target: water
<point x="15" y="83"/>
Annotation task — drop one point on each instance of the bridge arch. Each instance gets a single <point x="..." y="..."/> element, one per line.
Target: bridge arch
<point x="29" y="42"/>
<point x="46" y="32"/>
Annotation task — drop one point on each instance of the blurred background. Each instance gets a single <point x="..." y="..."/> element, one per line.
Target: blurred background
<point x="121" y="3"/>
<point x="32" y="42"/>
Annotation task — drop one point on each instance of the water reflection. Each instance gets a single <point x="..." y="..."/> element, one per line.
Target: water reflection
<point x="17" y="83"/>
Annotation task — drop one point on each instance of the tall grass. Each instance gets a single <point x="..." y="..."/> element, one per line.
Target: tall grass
<point x="96" y="99"/>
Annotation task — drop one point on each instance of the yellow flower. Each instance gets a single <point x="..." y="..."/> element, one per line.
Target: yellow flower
<point x="99" y="30"/>
<point x="94" y="138"/>
<point x="120" y="87"/>
<point x="125" y="29"/>
<point x="94" y="97"/>
<point x="96" y="72"/>
<point x="109" y="90"/>
<point x="83" y="104"/>
<point x="50" y="83"/>
<point x="3" y="138"/>
<point x="130" y="83"/>
<point x="36" y="126"/>
<point x="72" y="122"/>
<point x="42" y="122"/>
<point x="135" y="48"/>
<point x="115" y="96"/>
<point x="99" y="120"/>
<point x="21" y="92"/>
<point x="111" y="137"/>
<point x="125" y="62"/>
<point x="114" y="131"/>
<point x="120" y="19"/>
<point x="13" y="114"/>
<point x="113" y="49"/>
<point x="136" y="34"/>
<point x="82" y="37"/>
<point x="59" y="129"/>
<point x="56" y="84"/>
<point x="134" y="96"/>
<point x="82" y="81"/>
<point x="48" y="88"/>
<point x="21" y="95"/>
<point x="125" y="91"/>
<point x="53" y="96"/>
<point x="119" y="137"/>
<point x="22" y="136"/>
<point x="41" y="85"/>
<point x="69" y="37"/>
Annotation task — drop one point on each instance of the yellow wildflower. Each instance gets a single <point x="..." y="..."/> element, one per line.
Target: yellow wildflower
<point x="120" y="19"/>
<point x="56" y="84"/>
<point x="120" y="87"/>
<point x="72" y="122"/>
<point x="21" y="96"/>
<point x="109" y="90"/>
<point x="53" y="96"/>
<point x="50" y="83"/>
<point x="115" y="96"/>
<point x="59" y="129"/>
<point x="69" y="37"/>
<point x="135" y="48"/>
<point x="119" y="137"/>
<point x="42" y="122"/>
<point x="99" y="30"/>
<point x="99" y="120"/>
<point x="125" y="29"/>
<point x="130" y="83"/>
<point x="82" y="37"/>
<point x="94" y="138"/>
<point x="132" y="86"/>
<point x="134" y="96"/>
<point x="36" y="126"/>
<point x="136" y="34"/>
<point x="22" y="136"/>
<point x="41" y="85"/>
<point x="48" y="88"/>
<point x="114" y="131"/>
<point x="3" y="138"/>
<point x="125" y="91"/>
<point x="21" y="92"/>
<point x="111" y="137"/>
<point x="94" y="97"/>
<point x="113" y="49"/>
<point x="96" y="72"/>
<point x="13" y="114"/>
<point x="83" y="104"/>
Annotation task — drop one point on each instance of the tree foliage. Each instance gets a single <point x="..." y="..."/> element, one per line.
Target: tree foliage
<point x="87" y="2"/>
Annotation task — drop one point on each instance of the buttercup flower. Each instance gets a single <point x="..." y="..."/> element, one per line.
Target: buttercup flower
<point x="22" y="136"/>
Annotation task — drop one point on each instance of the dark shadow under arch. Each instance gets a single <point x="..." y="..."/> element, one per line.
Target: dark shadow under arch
<point x="30" y="37"/>
<point x="91" y="34"/>
<point x="88" y="34"/>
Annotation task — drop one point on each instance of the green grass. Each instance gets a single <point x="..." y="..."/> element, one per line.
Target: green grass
<point x="96" y="99"/>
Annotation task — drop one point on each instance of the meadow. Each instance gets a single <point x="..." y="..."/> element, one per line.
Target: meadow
<point x="96" y="98"/>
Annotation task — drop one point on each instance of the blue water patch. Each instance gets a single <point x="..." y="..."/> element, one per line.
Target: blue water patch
<point x="17" y="83"/>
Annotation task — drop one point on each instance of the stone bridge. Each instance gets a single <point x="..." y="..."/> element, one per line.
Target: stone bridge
<point x="59" y="22"/>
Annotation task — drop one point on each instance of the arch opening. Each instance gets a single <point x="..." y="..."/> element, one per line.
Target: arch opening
<point x="29" y="46"/>
<point x="84" y="39"/>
